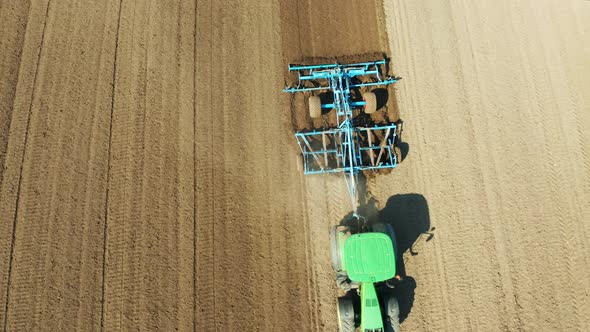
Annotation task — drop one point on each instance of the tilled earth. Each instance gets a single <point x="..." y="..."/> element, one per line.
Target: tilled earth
<point x="150" y="179"/>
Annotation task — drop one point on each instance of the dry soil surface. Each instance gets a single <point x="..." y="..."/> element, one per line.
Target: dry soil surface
<point x="149" y="178"/>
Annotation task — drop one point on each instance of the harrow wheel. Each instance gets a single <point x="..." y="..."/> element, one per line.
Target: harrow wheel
<point x="315" y="107"/>
<point x="371" y="101"/>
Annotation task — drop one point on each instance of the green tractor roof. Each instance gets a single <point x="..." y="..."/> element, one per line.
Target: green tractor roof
<point x="369" y="257"/>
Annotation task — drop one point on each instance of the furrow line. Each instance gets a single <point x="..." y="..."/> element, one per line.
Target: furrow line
<point x="108" y="179"/>
<point x="19" y="187"/>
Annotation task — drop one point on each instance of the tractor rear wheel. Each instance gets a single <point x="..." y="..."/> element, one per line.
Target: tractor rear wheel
<point x="315" y="107"/>
<point x="371" y="102"/>
<point x="392" y="315"/>
<point x="345" y="315"/>
<point x="335" y="249"/>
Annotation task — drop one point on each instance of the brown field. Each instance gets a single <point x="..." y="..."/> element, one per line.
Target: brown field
<point x="149" y="178"/>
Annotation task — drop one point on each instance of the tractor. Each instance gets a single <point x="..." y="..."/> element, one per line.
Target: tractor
<point x="365" y="265"/>
<point x="363" y="256"/>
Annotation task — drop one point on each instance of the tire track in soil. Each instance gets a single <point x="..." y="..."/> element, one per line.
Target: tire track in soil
<point x="493" y="237"/>
<point x="9" y="194"/>
<point x="205" y="305"/>
<point x="290" y="31"/>
<point x="291" y="50"/>
<point x="248" y="209"/>
<point x="108" y="179"/>
<point x="149" y="256"/>
<point x="461" y="293"/>
<point x="57" y="218"/>
<point x="313" y="303"/>
<point x="13" y="25"/>
<point x="524" y="279"/>
<point x="561" y="169"/>
<point x="125" y="166"/>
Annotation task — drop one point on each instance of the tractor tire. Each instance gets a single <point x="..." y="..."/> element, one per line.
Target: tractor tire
<point x="335" y="249"/>
<point x="315" y="107"/>
<point x="392" y="315"/>
<point x="345" y="315"/>
<point x="371" y="101"/>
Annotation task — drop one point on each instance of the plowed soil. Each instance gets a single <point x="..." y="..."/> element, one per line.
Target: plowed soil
<point x="149" y="178"/>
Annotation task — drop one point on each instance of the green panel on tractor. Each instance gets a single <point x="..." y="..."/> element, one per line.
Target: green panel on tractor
<point x="370" y="310"/>
<point x="369" y="257"/>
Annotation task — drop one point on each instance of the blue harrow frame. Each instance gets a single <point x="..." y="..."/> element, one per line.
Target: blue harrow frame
<point x="345" y="148"/>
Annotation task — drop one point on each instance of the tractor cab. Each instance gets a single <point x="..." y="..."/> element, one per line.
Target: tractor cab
<point x="365" y="260"/>
<point x="369" y="257"/>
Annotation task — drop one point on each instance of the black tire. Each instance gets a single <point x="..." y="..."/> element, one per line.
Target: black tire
<point x="315" y="107"/>
<point x="345" y="315"/>
<point x="371" y="101"/>
<point x="392" y="315"/>
<point x="335" y="249"/>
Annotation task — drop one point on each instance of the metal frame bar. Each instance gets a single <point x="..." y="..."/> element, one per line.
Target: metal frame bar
<point x="334" y="151"/>
<point x="345" y="146"/>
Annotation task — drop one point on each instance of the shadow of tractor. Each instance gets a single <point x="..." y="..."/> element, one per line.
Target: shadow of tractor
<point x="410" y="217"/>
